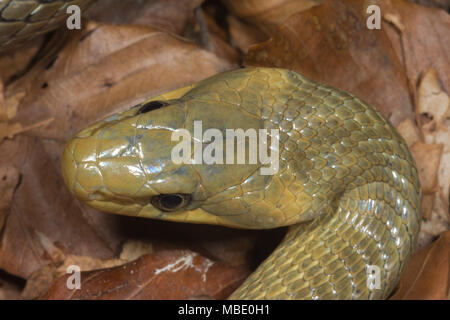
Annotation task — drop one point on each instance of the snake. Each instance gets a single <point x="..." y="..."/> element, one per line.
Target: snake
<point x="345" y="184"/>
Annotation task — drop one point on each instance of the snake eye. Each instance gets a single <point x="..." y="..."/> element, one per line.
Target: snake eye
<point x="152" y="105"/>
<point x="171" y="202"/>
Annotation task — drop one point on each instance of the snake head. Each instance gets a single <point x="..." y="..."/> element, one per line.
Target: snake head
<point x="123" y="164"/>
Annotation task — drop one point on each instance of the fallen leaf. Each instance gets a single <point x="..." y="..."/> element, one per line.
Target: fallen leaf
<point x="61" y="260"/>
<point x="427" y="275"/>
<point x="244" y="35"/>
<point x="433" y="101"/>
<point x="42" y="205"/>
<point x="434" y="106"/>
<point x="424" y="41"/>
<point x="331" y="44"/>
<point x="268" y="15"/>
<point x="163" y="275"/>
<point x="169" y="15"/>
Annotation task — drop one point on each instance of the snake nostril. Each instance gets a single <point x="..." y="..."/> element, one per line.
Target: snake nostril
<point x="171" y="202"/>
<point x="152" y="105"/>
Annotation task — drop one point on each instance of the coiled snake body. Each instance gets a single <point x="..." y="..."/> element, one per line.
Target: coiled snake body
<point x="346" y="182"/>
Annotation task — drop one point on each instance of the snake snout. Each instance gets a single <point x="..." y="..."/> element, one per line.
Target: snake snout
<point x="81" y="174"/>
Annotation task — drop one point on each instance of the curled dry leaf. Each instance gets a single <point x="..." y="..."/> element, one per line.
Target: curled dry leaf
<point x="330" y="43"/>
<point x="427" y="275"/>
<point x="172" y="274"/>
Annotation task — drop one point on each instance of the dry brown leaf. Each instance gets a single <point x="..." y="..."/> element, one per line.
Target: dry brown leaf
<point x="107" y="68"/>
<point x="443" y="4"/>
<point x="330" y="43"/>
<point x="424" y="41"/>
<point x="427" y="275"/>
<point x="40" y="281"/>
<point x="41" y="204"/>
<point x="170" y="15"/>
<point x="244" y="34"/>
<point x="268" y="15"/>
<point x="433" y="101"/>
<point x="182" y="17"/>
<point x="163" y="275"/>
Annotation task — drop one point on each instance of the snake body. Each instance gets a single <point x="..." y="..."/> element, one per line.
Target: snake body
<point x="22" y="20"/>
<point x="347" y="185"/>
